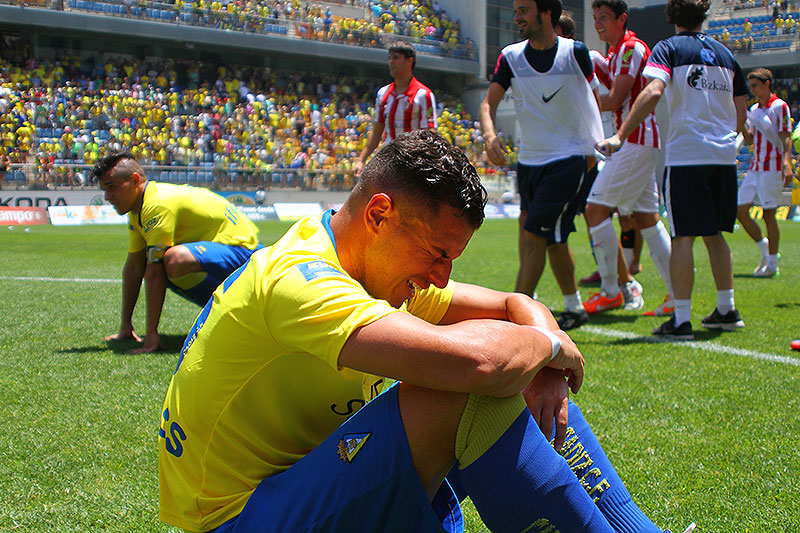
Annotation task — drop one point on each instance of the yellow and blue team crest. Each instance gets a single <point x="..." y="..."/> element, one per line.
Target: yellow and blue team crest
<point x="350" y="444"/>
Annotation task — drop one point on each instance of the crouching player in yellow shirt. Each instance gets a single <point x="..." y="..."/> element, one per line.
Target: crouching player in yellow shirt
<point x="280" y="416"/>
<point x="185" y="238"/>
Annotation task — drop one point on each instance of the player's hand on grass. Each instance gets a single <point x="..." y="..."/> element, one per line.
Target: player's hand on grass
<point x="496" y="150"/>
<point x="547" y="397"/>
<point x="152" y="343"/>
<point x="569" y="360"/>
<point x="609" y="146"/>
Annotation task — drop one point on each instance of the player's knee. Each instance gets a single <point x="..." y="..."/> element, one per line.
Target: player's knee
<point x="179" y="261"/>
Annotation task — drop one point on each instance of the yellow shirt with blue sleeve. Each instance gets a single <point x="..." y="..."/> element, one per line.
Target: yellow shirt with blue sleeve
<point x="179" y="214"/>
<point x="258" y="384"/>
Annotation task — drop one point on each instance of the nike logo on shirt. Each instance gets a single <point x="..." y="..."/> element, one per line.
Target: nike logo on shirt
<point x="548" y="98"/>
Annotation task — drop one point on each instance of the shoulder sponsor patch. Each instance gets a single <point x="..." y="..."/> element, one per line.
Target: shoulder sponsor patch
<point x="317" y="269"/>
<point x="151" y="223"/>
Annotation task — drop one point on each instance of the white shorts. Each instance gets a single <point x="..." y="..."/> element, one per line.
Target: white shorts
<point x="762" y="187"/>
<point x="627" y="181"/>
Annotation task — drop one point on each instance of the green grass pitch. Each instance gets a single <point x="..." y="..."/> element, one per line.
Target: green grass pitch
<point x="706" y="432"/>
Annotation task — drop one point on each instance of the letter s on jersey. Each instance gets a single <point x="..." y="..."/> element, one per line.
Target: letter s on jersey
<point x="174" y="441"/>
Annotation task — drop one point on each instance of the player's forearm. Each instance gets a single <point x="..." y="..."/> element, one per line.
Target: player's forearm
<point x="487" y="116"/>
<point x="644" y="105"/>
<point x="132" y="274"/>
<point x="372" y="144"/>
<point x="490" y="357"/>
<point x="155" y="292"/>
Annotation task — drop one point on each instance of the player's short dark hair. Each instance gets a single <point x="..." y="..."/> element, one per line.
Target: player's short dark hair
<point x="407" y="49"/>
<point x="619" y="7"/>
<point x="688" y="14"/>
<point x="553" y="6"/>
<point x="762" y="74"/>
<point x="428" y="171"/>
<point x="106" y="163"/>
<point x="567" y="25"/>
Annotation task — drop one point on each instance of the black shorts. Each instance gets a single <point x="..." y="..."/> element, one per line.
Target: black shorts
<point x="551" y="195"/>
<point x="701" y="199"/>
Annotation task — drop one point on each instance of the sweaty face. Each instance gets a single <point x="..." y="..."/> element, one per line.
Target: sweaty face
<point x="413" y="254"/>
<point x="528" y="18"/>
<point x="609" y="27"/>
<point x="119" y="191"/>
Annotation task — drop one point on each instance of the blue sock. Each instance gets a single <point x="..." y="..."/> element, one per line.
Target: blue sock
<point x="589" y="462"/>
<point x="522" y="481"/>
<point x="522" y="484"/>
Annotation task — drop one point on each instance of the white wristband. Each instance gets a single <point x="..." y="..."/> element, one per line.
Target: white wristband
<point x="554" y="340"/>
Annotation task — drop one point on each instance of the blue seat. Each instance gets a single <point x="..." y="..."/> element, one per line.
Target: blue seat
<point x="136" y="11"/>
<point x="81" y="4"/>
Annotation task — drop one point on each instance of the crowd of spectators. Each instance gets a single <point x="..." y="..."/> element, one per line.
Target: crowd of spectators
<point x="244" y="127"/>
<point x="377" y="23"/>
<point x="778" y="28"/>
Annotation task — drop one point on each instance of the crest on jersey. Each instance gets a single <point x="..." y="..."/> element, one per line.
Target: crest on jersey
<point x="626" y="57"/>
<point x="350" y="444"/>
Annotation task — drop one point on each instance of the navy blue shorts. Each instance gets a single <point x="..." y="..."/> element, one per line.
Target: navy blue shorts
<point x="360" y="478"/>
<point x="551" y="195"/>
<point x="701" y="199"/>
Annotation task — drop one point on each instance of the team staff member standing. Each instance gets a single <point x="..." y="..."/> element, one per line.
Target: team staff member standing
<point x="300" y="433"/>
<point x="627" y="180"/>
<point x="402" y="106"/>
<point x="181" y="237"/>
<point x="560" y="123"/>
<point x="769" y="129"/>
<point x="707" y="105"/>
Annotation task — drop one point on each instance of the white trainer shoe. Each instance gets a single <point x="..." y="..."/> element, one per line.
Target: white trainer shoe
<point x="766" y="272"/>
<point x="632" y="293"/>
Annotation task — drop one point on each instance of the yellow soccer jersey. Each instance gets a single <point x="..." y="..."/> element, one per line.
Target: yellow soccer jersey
<point x="258" y="385"/>
<point x="177" y="214"/>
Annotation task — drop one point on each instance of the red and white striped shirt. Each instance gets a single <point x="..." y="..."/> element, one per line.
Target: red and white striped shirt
<point x="414" y="109"/>
<point x="767" y="155"/>
<point x="629" y="57"/>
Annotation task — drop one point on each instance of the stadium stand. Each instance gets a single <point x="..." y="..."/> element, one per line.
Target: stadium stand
<point x="755" y="27"/>
<point x="371" y="23"/>
<point x="192" y="123"/>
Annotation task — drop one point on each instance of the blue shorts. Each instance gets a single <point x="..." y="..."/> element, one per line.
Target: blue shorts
<point x="551" y="196"/>
<point x="360" y="478"/>
<point x="218" y="261"/>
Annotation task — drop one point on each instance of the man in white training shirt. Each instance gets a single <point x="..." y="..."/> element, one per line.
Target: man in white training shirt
<point x="706" y="97"/>
<point x="558" y="111"/>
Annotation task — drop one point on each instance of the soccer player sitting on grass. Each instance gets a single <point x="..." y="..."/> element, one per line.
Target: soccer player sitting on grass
<point x="181" y="237"/>
<point x="282" y="414"/>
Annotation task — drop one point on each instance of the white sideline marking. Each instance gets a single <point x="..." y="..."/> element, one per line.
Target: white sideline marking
<point x="68" y="280"/>
<point x="698" y="345"/>
<point x="606" y="332"/>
